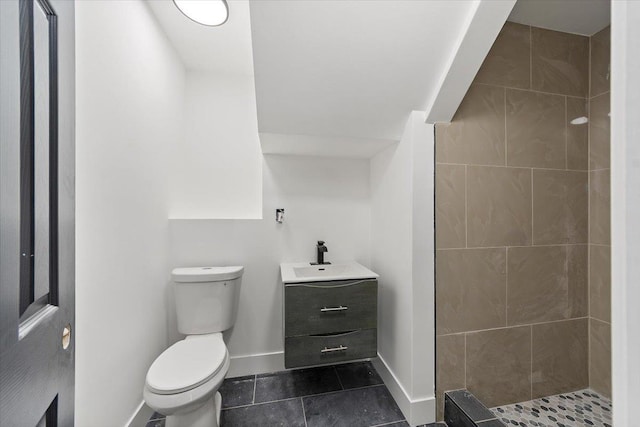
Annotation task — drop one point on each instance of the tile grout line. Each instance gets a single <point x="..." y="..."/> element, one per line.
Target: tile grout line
<point x="264" y="403"/>
<point x="589" y="341"/>
<point x="506" y="286"/>
<point x="506" y="146"/>
<point x="466" y="215"/>
<point x="517" y="167"/>
<point x="599" y="320"/>
<point x="532" y="244"/>
<point x="308" y="395"/>
<point x="531" y="366"/>
<point x="530" y="58"/>
<point x="598" y="95"/>
<point x="255" y="385"/>
<point x="566" y="133"/>
<point x="551" y="245"/>
<point x="304" y="413"/>
<point x="589" y="94"/>
<point x="604" y="245"/>
<point x="387" y="424"/>
<point x="523" y="325"/>
<point x="589" y="222"/>
<point x="536" y="91"/>
<point x="465" y="363"/>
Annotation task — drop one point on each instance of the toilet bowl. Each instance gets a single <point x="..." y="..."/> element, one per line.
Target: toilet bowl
<point x="183" y="382"/>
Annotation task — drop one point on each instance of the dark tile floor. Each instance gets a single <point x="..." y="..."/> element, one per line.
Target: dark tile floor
<point x="350" y="395"/>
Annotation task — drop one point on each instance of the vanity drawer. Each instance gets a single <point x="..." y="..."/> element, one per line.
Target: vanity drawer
<point x="324" y="349"/>
<point x="330" y="307"/>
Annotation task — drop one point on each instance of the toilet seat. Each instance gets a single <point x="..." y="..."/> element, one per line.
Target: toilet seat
<point x="187" y="364"/>
<point x="179" y="403"/>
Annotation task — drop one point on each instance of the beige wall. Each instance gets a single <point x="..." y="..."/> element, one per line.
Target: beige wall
<point x="512" y="224"/>
<point x="599" y="216"/>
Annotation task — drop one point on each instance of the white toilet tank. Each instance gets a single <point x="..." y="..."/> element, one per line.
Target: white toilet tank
<point x="206" y="298"/>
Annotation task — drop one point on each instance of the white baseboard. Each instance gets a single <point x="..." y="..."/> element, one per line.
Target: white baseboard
<point x="140" y="417"/>
<point x="416" y="411"/>
<point x="252" y="364"/>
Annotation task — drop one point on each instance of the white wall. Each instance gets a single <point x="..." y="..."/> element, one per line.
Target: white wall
<point x="220" y="147"/>
<point x="485" y="20"/>
<point x="391" y="217"/>
<point x="130" y="86"/>
<point x="625" y="206"/>
<point x="324" y="199"/>
<point x="402" y="243"/>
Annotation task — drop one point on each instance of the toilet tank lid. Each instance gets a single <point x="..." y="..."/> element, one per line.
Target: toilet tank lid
<point x="206" y="274"/>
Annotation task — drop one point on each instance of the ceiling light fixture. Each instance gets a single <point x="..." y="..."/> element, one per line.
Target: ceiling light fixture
<point x="211" y="13"/>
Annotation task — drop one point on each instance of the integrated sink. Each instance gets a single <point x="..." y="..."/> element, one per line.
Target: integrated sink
<point x="304" y="272"/>
<point x="322" y="270"/>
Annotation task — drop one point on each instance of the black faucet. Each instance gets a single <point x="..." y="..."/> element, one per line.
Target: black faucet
<point x="321" y="249"/>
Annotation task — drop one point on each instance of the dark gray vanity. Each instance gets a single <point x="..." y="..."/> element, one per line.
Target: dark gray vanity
<point x="327" y="320"/>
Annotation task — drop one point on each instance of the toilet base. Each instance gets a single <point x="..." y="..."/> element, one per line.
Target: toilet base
<point x="206" y="415"/>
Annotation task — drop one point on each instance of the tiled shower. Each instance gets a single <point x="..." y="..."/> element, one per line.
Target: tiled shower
<point x="522" y="223"/>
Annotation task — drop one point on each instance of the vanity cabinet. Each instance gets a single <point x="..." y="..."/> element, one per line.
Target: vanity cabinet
<point x="330" y="321"/>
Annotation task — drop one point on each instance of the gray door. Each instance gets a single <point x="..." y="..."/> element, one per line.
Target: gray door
<point x="37" y="212"/>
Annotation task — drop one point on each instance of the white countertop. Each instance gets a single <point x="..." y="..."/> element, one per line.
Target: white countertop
<point x="302" y="272"/>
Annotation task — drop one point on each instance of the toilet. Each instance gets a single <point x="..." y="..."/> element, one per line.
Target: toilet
<point x="183" y="382"/>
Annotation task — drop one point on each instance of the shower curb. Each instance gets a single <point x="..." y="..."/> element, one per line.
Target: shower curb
<point x="463" y="409"/>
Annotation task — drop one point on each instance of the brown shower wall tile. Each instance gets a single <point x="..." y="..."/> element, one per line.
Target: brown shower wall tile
<point x="600" y="357"/>
<point x="512" y="319"/>
<point x="560" y="207"/>
<point x="560" y="359"/>
<point x="499" y="365"/>
<point x="600" y="282"/>
<point x="600" y="60"/>
<point x="560" y="62"/>
<point x="577" y="135"/>
<point x="600" y="131"/>
<point x="546" y="283"/>
<point x="476" y="133"/>
<point x="450" y="371"/>
<point x="508" y="62"/>
<point x="536" y="129"/>
<point x="600" y="207"/>
<point x="498" y="206"/>
<point x="470" y="290"/>
<point x="451" y="231"/>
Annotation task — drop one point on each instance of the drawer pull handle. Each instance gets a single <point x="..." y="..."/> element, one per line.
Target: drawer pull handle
<point x="343" y="285"/>
<point x="332" y="349"/>
<point x="331" y="309"/>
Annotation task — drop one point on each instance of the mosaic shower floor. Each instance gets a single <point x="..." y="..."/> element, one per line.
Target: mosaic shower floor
<point x="577" y="409"/>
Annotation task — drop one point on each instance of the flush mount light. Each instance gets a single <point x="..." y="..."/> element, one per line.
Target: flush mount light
<point x="206" y="12"/>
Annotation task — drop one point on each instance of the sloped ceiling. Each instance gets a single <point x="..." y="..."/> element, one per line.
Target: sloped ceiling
<point x="347" y="71"/>
<point x="352" y="68"/>
<point x="342" y="75"/>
